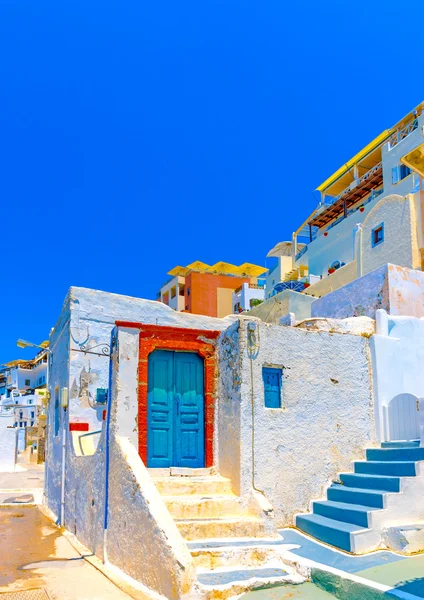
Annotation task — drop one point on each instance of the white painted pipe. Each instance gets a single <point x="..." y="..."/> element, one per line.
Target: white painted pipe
<point x="62" y="491"/>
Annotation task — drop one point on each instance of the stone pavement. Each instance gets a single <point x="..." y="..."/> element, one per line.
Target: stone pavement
<point x="25" y="485"/>
<point x="35" y="554"/>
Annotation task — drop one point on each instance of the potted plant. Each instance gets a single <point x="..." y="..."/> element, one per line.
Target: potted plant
<point x="331" y="270"/>
<point x="361" y="208"/>
<point x="325" y="233"/>
<point x="306" y="285"/>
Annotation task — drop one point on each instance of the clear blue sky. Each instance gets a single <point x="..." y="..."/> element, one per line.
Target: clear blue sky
<point x="139" y="135"/>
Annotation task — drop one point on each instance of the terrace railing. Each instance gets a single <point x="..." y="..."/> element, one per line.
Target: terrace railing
<point x="400" y="135"/>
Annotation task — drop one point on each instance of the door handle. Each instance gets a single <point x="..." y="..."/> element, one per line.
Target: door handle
<point x="418" y="405"/>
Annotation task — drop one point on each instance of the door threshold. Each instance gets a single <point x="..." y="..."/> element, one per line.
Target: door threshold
<point x="183" y="472"/>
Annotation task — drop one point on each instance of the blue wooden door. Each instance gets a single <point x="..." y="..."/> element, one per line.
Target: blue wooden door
<point x="175" y="434"/>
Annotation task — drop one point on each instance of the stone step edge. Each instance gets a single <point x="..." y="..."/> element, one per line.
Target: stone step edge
<point x="254" y="546"/>
<point x="242" y="585"/>
<point x="192" y="498"/>
<point x="229" y="519"/>
<point x="197" y="479"/>
<point x="260" y="542"/>
<point x="272" y="564"/>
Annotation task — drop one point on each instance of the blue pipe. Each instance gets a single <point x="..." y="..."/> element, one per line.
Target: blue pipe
<point x="107" y="436"/>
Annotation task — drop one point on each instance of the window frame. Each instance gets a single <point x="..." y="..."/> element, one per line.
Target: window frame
<point x="373" y="232"/>
<point x="279" y="372"/>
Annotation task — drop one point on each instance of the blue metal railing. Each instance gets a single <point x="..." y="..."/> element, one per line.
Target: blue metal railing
<point x="296" y="286"/>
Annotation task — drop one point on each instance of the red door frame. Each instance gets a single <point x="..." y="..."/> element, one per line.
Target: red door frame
<point x="158" y="337"/>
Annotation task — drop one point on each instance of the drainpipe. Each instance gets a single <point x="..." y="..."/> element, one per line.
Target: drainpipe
<point x="253" y="345"/>
<point x="113" y="343"/>
<point x="64" y="402"/>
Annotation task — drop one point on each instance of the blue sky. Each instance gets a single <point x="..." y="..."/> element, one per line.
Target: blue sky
<point x="138" y="135"/>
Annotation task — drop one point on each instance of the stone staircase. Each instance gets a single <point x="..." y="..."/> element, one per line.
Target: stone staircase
<point x="232" y="548"/>
<point x="386" y="489"/>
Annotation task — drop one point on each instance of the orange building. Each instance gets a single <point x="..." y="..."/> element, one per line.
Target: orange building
<point x="207" y="289"/>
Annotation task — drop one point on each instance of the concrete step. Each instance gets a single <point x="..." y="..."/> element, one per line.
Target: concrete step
<point x="183" y="486"/>
<point x="342" y="511"/>
<point x="195" y="529"/>
<point x="398" y="468"/>
<point x="227" y="583"/>
<point x="371" y="482"/>
<point x="200" y="507"/>
<point x="395" y="454"/>
<point x="342" y="493"/>
<point x="182" y="472"/>
<point x="401" y="444"/>
<point x="335" y="533"/>
<point x="252" y="555"/>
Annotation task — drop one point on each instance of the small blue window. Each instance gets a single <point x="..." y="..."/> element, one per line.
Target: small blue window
<point x="377" y="235"/>
<point x="395" y="175"/>
<point x="272" y="378"/>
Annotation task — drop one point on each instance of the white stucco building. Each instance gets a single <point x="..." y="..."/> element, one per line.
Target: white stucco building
<point x="248" y="295"/>
<point x="369" y="215"/>
<point x="167" y="430"/>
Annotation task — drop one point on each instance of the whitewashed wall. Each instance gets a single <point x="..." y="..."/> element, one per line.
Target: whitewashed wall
<point x="326" y="419"/>
<point x="228" y="420"/>
<point x="141" y="538"/>
<point x="7" y="443"/>
<point x="87" y="319"/>
<point x="398" y="357"/>
<point x="400" y="246"/>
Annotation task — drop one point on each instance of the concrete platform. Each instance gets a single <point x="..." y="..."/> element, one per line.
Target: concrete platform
<point x="376" y="575"/>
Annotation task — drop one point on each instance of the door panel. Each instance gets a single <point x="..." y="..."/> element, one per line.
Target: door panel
<point x="189" y="430"/>
<point x="404" y="418"/>
<point x="160" y="399"/>
<point x="175" y="410"/>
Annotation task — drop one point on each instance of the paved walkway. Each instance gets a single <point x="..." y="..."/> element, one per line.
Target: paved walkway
<point x="34" y="554"/>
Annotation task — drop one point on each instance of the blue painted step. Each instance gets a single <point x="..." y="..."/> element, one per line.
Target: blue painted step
<point x="371" y="482"/>
<point x="342" y="511"/>
<point x="327" y="530"/>
<point x="401" y="454"/>
<point x="400" y="444"/>
<point x="374" y="467"/>
<point x="350" y="503"/>
<point x="342" y="493"/>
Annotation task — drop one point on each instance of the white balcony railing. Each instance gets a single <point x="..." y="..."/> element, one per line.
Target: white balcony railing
<point x="400" y="135"/>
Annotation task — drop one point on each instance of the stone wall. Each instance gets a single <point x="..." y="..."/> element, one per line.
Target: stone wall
<point x="111" y="503"/>
<point x="325" y="421"/>
<point x="398" y="290"/>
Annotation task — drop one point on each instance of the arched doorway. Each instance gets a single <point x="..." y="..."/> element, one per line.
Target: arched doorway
<point x="403" y="417"/>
